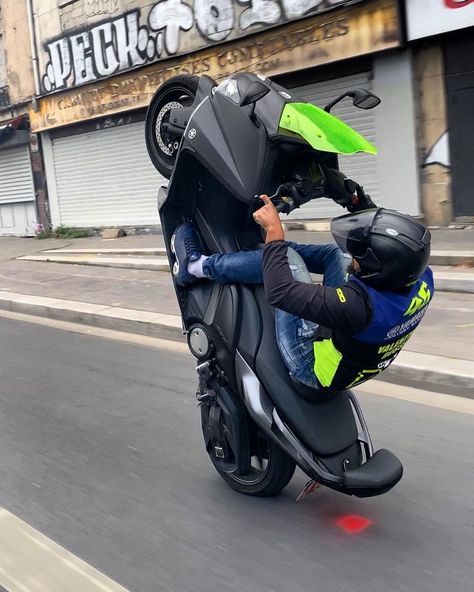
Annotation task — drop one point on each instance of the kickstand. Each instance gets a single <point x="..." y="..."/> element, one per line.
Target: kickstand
<point x="310" y="487"/>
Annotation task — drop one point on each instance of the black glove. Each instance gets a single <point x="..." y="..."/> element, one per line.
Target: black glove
<point x="301" y="191"/>
<point x="346" y="192"/>
<point x="361" y="201"/>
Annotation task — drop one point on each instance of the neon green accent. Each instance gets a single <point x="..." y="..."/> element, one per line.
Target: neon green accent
<point x="419" y="301"/>
<point x="340" y="293"/>
<point x="326" y="361"/>
<point x="363" y="376"/>
<point x="322" y="130"/>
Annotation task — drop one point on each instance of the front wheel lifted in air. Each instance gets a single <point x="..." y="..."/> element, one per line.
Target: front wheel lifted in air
<point x="162" y="138"/>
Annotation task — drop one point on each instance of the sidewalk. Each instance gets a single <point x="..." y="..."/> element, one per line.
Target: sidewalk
<point x="143" y="301"/>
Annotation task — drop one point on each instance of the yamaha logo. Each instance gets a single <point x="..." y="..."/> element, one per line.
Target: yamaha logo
<point x="192" y="134"/>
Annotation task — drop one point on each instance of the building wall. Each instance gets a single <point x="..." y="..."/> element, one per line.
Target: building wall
<point x="396" y="132"/>
<point x="3" y="64"/>
<point x="17" y="50"/>
<point x="432" y="127"/>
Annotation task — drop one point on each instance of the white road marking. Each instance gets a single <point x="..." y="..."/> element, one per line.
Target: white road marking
<point x="141" y="340"/>
<point x="414" y="395"/>
<point x="30" y="562"/>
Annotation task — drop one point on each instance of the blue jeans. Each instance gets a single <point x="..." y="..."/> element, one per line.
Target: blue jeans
<point x="295" y="336"/>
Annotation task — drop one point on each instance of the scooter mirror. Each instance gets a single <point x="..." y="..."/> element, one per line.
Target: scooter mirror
<point x="363" y="99"/>
<point x="253" y="93"/>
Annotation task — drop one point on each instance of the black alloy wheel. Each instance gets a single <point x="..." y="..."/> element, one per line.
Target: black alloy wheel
<point x="271" y="469"/>
<point x="162" y="145"/>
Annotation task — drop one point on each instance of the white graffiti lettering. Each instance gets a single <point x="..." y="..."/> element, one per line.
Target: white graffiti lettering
<point x="298" y="8"/>
<point x="215" y="19"/>
<point x="106" y="61"/>
<point x="127" y="41"/>
<point x="129" y="52"/>
<point x="171" y="15"/>
<point x="81" y="58"/>
<point x="263" y="12"/>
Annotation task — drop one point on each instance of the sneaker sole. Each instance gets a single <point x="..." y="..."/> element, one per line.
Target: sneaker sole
<point x="172" y="244"/>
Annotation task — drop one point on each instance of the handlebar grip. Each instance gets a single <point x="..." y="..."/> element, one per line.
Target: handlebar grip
<point x="285" y="205"/>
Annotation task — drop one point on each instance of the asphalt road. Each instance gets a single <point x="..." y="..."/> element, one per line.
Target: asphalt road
<point x="101" y="451"/>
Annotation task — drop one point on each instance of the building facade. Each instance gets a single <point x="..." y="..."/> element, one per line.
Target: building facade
<point x="100" y="61"/>
<point x="441" y="35"/>
<point x="21" y="175"/>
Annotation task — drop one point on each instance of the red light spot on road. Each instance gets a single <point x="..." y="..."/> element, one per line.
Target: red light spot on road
<point x="353" y="524"/>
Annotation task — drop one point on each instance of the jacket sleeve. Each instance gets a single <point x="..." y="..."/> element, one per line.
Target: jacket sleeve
<point x="346" y="309"/>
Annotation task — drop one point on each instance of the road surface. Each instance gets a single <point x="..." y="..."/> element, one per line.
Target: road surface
<point x="101" y="451"/>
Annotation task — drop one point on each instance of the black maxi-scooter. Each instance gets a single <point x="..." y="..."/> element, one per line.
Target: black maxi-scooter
<point x="220" y="146"/>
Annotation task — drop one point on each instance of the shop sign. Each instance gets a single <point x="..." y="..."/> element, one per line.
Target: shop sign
<point x="431" y="17"/>
<point x="338" y="35"/>
<point x="155" y="31"/>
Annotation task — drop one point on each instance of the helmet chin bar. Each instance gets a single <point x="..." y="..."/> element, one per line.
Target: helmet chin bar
<point x="370" y="265"/>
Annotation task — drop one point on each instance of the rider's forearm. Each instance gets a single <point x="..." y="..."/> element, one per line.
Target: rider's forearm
<point x="275" y="233"/>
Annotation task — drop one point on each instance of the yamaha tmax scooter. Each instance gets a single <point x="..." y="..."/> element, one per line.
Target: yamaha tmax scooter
<point x="221" y="145"/>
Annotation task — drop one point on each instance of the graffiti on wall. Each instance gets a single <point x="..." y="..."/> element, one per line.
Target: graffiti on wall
<point x="439" y="152"/>
<point x="167" y="28"/>
<point x="99" y="7"/>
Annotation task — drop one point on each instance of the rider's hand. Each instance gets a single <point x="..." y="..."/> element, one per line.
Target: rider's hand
<point x="267" y="217"/>
<point x="362" y="201"/>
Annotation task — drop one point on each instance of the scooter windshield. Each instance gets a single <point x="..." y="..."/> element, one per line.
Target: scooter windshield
<point x="322" y="130"/>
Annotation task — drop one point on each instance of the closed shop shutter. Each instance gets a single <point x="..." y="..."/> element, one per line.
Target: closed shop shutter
<point x="360" y="167"/>
<point x="105" y="178"/>
<point x="17" y="193"/>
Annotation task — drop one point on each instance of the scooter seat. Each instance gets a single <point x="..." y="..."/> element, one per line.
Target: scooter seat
<point x="310" y="394"/>
<point x="380" y="473"/>
<point x="311" y="420"/>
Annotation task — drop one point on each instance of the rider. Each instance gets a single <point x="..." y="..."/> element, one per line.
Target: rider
<point x="350" y="328"/>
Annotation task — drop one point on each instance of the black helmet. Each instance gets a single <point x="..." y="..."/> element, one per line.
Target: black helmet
<point x="391" y="248"/>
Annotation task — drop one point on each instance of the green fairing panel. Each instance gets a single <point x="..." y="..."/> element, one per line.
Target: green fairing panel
<point x="322" y="130"/>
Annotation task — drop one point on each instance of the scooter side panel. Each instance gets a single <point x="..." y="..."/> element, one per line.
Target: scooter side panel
<point x="232" y="151"/>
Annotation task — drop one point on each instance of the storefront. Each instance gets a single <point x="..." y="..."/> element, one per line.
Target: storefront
<point x="17" y="193"/>
<point x="97" y="167"/>
<point x="442" y="37"/>
<point x="99" y="174"/>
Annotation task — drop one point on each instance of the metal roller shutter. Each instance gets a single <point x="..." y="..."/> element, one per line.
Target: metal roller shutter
<point x="105" y="178"/>
<point x="17" y="193"/>
<point x="360" y="167"/>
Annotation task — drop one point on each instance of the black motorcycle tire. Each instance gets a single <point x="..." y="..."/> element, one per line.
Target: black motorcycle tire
<point x="168" y="93"/>
<point x="278" y="474"/>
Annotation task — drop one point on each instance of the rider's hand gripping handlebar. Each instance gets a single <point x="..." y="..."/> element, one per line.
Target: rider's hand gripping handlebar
<point x="290" y="196"/>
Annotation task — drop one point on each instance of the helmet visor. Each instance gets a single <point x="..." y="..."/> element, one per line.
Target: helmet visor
<point x="352" y="231"/>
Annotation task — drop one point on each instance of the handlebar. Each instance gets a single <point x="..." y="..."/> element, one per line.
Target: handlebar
<point x="331" y="184"/>
<point x="290" y="196"/>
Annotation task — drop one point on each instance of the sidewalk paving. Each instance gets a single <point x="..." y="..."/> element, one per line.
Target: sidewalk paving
<point x="143" y="301"/>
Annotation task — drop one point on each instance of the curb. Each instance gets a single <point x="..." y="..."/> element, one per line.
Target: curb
<point x="153" y="264"/>
<point x="420" y="369"/>
<point x="441" y="258"/>
<point x="445" y="281"/>
<point x="97" y="315"/>
<point x="451" y="281"/>
<point x="452" y="258"/>
<point x="159" y="251"/>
